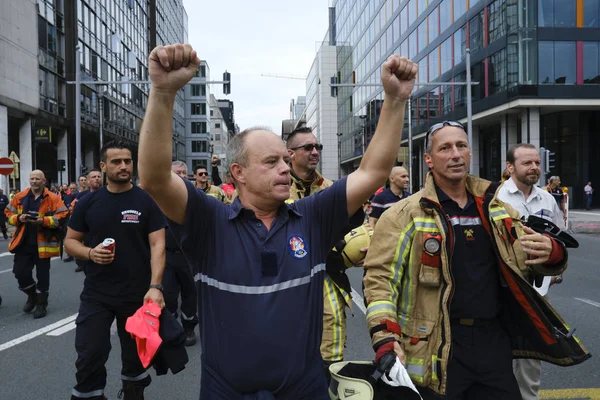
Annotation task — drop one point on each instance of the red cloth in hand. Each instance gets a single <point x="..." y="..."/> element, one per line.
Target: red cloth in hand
<point x="143" y="326"/>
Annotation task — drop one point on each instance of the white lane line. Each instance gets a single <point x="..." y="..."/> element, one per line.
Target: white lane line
<point x="63" y="329"/>
<point x="6" y="253"/>
<point x="590" y="302"/>
<point x="37" y="333"/>
<point x="358" y="300"/>
<point x="582" y="213"/>
<point x="5" y="271"/>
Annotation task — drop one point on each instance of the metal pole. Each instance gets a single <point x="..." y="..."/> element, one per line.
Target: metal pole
<point x="77" y="112"/>
<point x="101" y="115"/>
<point x="410" y="161"/>
<point x="469" y="109"/>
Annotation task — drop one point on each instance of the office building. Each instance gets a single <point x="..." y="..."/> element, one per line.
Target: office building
<point x="197" y="120"/>
<point x="536" y="61"/>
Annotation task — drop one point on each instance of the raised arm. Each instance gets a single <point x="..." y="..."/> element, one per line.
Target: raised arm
<point x="398" y="79"/>
<point x="170" y="68"/>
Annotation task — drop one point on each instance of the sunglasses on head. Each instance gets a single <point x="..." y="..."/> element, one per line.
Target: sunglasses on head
<point x="309" y="147"/>
<point x="202" y="173"/>
<point x="436" y="127"/>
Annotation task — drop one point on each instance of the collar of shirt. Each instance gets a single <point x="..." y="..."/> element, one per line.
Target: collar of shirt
<point x="236" y="209"/>
<point x="444" y="198"/>
<point x="512" y="188"/>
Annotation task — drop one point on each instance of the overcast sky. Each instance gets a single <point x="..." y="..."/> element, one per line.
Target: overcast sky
<point x="248" y="38"/>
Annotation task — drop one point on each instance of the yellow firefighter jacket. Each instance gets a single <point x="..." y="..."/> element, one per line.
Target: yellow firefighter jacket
<point x="400" y="288"/>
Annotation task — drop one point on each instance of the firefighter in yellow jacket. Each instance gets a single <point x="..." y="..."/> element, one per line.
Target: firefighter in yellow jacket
<point x="304" y="152"/>
<point x="37" y="214"/>
<point x="202" y="183"/>
<point x="448" y="283"/>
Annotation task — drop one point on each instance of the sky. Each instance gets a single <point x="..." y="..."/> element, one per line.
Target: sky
<point x="249" y="38"/>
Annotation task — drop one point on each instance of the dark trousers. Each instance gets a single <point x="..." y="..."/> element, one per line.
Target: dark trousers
<point x="23" y="264"/>
<point x="177" y="279"/>
<point x="588" y="201"/>
<point x="480" y="367"/>
<point x="92" y="342"/>
<point x="3" y="222"/>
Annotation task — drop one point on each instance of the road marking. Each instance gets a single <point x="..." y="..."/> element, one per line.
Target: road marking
<point x="582" y="213"/>
<point x="358" y="300"/>
<point x="7" y="253"/>
<point x="591" y="394"/>
<point x="37" y="333"/>
<point x="5" y="271"/>
<point x="590" y="302"/>
<point x="63" y="329"/>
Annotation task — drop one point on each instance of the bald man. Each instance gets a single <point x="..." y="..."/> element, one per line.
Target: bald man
<point x="387" y="198"/>
<point x="36" y="213"/>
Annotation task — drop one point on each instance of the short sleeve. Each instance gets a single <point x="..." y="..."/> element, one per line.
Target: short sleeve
<point x="77" y="221"/>
<point x="199" y="218"/>
<point x="329" y="210"/>
<point x="377" y="207"/>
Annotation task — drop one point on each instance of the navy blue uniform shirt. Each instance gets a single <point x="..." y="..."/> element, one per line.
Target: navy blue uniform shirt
<point x="261" y="291"/>
<point x="129" y="218"/>
<point x="474" y="264"/>
<point x="385" y="200"/>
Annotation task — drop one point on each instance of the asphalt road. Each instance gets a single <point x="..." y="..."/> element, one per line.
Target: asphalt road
<point x="37" y="357"/>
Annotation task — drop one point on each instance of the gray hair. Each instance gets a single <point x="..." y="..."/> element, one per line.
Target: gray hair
<point x="179" y="164"/>
<point x="237" y="152"/>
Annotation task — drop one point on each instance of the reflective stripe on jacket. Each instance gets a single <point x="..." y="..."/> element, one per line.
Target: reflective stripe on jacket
<point x="52" y="210"/>
<point x="400" y="287"/>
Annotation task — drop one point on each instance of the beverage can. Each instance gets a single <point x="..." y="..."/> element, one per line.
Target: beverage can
<point x="109" y="244"/>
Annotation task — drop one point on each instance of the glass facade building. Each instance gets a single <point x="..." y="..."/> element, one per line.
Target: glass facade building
<point x="536" y="61"/>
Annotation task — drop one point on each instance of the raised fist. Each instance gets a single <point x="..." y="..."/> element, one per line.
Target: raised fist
<point x="398" y="76"/>
<point x="172" y="67"/>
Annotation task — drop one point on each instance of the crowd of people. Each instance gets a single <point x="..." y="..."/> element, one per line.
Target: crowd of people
<point x="450" y="272"/>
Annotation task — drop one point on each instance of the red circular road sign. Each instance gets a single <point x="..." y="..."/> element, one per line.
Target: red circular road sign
<point x="6" y="166"/>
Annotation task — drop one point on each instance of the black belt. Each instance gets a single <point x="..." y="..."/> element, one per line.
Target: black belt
<point x="176" y="251"/>
<point x="474" y="321"/>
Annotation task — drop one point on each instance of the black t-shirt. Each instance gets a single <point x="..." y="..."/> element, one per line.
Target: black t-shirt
<point x="474" y="263"/>
<point x="129" y="218"/>
<point x="82" y="193"/>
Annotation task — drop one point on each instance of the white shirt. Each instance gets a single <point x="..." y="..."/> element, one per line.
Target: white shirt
<point x="588" y="189"/>
<point x="539" y="203"/>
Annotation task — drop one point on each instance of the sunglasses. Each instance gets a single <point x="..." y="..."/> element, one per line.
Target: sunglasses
<point x="436" y="127"/>
<point x="202" y="173"/>
<point x="309" y="147"/>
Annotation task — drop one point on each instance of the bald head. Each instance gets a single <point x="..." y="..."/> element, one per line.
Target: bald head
<point x="37" y="180"/>
<point x="399" y="179"/>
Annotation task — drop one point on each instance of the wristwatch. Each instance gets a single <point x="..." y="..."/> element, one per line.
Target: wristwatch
<point x="558" y="279"/>
<point x="159" y="287"/>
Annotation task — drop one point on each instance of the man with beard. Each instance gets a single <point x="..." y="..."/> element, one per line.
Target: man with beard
<point x="119" y="280"/>
<point x="521" y="192"/>
<point x="36" y="212"/>
<point x="202" y="183"/>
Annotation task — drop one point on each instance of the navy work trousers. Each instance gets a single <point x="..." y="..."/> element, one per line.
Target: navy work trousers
<point x="92" y="342"/>
<point x="23" y="269"/>
<point x="481" y="365"/>
<point x="177" y="279"/>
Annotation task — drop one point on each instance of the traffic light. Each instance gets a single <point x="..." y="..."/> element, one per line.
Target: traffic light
<point x="334" y="89"/>
<point x="226" y="86"/>
<point x="84" y="170"/>
<point x="550" y="159"/>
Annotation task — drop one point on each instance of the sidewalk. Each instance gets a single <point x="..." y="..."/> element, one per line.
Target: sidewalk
<point x="582" y="221"/>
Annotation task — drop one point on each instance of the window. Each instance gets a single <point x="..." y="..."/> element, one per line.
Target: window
<point x="591" y="13"/>
<point x="198" y="108"/>
<point x="198" y="90"/>
<point x="198" y="127"/>
<point x="446" y="57"/>
<point x="460" y="7"/>
<point x="445" y="15"/>
<point x="412" y="11"/>
<point x="434" y="64"/>
<point x="422" y="32"/>
<point x="497" y="71"/>
<point x="497" y="15"/>
<point x="460" y="92"/>
<point x="432" y="25"/>
<point x="211" y="113"/>
<point x="422" y="6"/>
<point x="412" y="44"/>
<point x="404" y="20"/>
<point x="199" y="146"/>
<point x="199" y="163"/>
<point x="476" y="32"/>
<point x="201" y="72"/>
<point x="460" y="45"/>
<point x="217" y="137"/>
<point x="591" y="70"/>
<point x="557" y="13"/>
<point x="557" y="63"/>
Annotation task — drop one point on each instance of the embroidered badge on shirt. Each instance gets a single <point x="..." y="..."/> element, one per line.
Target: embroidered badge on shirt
<point x="469" y="234"/>
<point x="297" y="246"/>
<point x="130" y="217"/>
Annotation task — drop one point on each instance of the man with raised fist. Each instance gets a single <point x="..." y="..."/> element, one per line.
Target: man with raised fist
<point x="260" y="304"/>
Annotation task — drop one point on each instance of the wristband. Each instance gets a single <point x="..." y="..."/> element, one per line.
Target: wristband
<point x="90" y="254"/>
